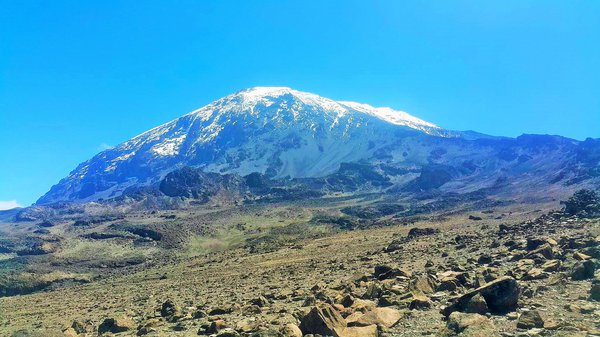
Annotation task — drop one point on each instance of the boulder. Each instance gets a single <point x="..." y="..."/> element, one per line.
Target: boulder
<point x="170" y="311"/>
<point x="535" y="274"/>
<point x="471" y="325"/>
<point x="583" y="270"/>
<point x="386" y="317"/>
<point x="419" y="301"/>
<point x="534" y="243"/>
<point x="374" y="290"/>
<point x="383" y="272"/>
<point x="485" y="259"/>
<point x="219" y="311"/>
<point x="544" y="251"/>
<point x="423" y="284"/>
<point x="358" y="331"/>
<point x="116" y="325"/>
<point x="501" y="296"/>
<point x="551" y="266"/>
<point x="530" y="319"/>
<point x="476" y="305"/>
<point x="581" y="256"/>
<point x="450" y="280"/>
<point x="362" y="305"/>
<point x="416" y="232"/>
<point x="322" y="320"/>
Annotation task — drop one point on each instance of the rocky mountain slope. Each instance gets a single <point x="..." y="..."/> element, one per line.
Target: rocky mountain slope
<point x="510" y="271"/>
<point x="277" y="131"/>
<point x="284" y="133"/>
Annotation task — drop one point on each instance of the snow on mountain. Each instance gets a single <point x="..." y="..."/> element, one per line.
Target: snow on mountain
<point x="273" y="130"/>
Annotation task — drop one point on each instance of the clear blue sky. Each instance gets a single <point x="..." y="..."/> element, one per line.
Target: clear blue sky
<point x="76" y="76"/>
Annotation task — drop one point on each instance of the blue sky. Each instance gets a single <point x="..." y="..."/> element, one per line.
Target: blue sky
<point x="77" y="76"/>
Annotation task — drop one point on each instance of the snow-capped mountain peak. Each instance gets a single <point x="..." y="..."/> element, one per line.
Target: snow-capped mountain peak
<point x="247" y="100"/>
<point x="274" y="130"/>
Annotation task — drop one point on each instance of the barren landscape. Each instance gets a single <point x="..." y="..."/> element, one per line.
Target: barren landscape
<point x="281" y="270"/>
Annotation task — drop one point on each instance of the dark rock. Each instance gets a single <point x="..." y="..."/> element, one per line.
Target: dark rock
<point x="218" y="311"/>
<point x="470" y="325"/>
<point x="170" y="311"/>
<point x="419" y="301"/>
<point x="583" y="270"/>
<point x="323" y="320"/>
<point x="416" y="232"/>
<point x="484" y="259"/>
<point x="501" y="296"/>
<point x="530" y="319"/>
<point x="116" y="325"/>
<point x="260" y="302"/>
<point x="476" y="305"/>
<point x="382" y="272"/>
<point x="423" y="284"/>
<point x="533" y="243"/>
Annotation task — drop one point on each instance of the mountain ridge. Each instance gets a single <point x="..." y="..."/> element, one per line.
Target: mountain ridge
<point x="247" y="112"/>
<point x="285" y="134"/>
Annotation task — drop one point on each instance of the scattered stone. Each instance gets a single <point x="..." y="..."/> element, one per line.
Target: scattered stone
<point x="78" y="327"/>
<point x="170" y="311"/>
<point x="581" y="256"/>
<point x="484" y="259"/>
<point x="473" y="325"/>
<point x="323" y="320"/>
<point x="416" y="232"/>
<point x="419" y="301"/>
<point x="535" y="274"/>
<point x="260" y="302"/>
<point x="501" y="296"/>
<point x="383" y="272"/>
<point x="583" y="270"/>
<point x="476" y="305"/>
<point x="291" y="330"/>
<point x="219" y="311"/>
<point x="116" y="325"/>
<point x="216" y="326"/>
<point x="423" y="284"/>
<point x="386" y="317"/>
<point x="534" y="243"/>
<point x="544" y="251"/>
<point x="358" y="331"/>
<point x="530" y="319"/>
<point x="551" y="266"/>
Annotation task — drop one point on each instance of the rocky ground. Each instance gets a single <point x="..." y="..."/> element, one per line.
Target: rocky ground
<point x="500" y="272"/>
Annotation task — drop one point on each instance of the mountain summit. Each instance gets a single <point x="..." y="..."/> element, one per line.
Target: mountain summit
<point x="273" y="130"/>
<point x="326" y="146"/>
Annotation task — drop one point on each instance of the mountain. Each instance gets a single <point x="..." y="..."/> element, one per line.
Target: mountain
<point x="285" y="134"/>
